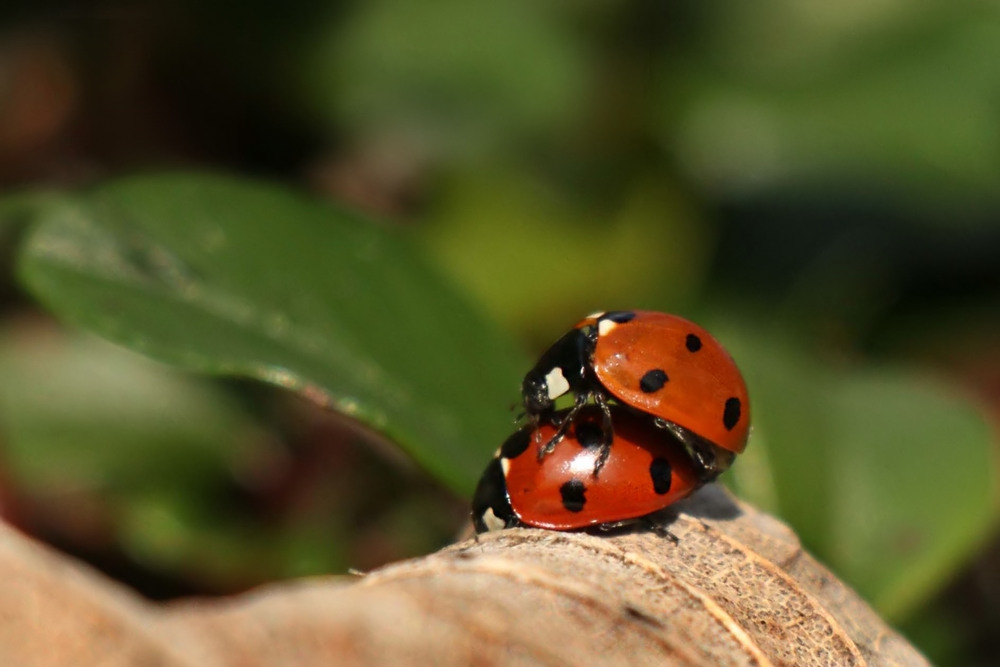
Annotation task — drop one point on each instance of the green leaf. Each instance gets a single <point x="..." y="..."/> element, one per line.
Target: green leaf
<point x="123" y="449"/>
<point x="887" y="475"/>
<point x="447" y="71"/>
<point x="232" y="276"/>
<point x="479" y="227"/>
<point x="921" y="467"/>
<point x="897" y="98"/>
<point x="82" y="415"/>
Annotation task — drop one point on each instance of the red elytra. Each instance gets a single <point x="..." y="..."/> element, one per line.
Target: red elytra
<point x="648" y="469"/>
<point x="673" y="369"/>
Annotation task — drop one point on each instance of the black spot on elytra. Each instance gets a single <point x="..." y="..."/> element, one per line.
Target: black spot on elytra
<point x="692" y="343"/>
<point x="516" y="444"/>
<point x="660" y="473"/>
<point x="731" y="413"/>
<point x="653" y="380"/>
<point x="589" y="435"/>
<point x="619" y="316"/>
<point x="573" y="495"/>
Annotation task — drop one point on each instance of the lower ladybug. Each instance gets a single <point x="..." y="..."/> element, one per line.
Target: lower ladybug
<point x="658" y="364"/>
<point x="648" y="470"/>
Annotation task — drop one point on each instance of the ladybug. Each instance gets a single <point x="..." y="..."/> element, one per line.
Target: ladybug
<point x="658" y="364"/>
<point x="648" y="471"/>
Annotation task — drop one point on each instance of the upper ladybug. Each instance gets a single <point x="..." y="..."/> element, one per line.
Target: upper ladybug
<point x="659" y="364"/>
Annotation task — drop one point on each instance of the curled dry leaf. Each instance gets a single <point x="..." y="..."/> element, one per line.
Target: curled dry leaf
<point x="734" y="588"/>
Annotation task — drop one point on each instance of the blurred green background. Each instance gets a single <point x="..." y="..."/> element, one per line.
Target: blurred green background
<point x="819" y="185"/>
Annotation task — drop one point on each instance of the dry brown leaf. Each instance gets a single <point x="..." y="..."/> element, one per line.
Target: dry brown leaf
<point x="734" y="589"/>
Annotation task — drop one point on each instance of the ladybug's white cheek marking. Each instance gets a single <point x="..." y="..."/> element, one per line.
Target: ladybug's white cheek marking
<point x="492" y="521"/>
<point x="605" y="326"/>
<point x="505" y="466"/>
<point x="557" y="383"/>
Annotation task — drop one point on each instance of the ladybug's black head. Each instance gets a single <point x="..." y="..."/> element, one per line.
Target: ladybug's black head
<point x="562" y="369"/>
<point x="491" y="508"/>
<point x="535" y="394"/>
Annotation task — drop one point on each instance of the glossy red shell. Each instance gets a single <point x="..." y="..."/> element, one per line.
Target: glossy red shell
<point x="624" y="488"/>
<point x="705" y="392"/>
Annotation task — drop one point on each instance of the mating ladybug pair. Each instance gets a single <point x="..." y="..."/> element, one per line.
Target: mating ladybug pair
<point x="658" y="409"/>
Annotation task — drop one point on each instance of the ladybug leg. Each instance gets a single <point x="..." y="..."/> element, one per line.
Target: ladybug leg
<point x="616" y="526"/>
<point x="642" y="522"/>
<point x="660" y="529"/>
<point x="607" y="429"/>
<point x="564" y="423"/>
<point x="710" y="461"/>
